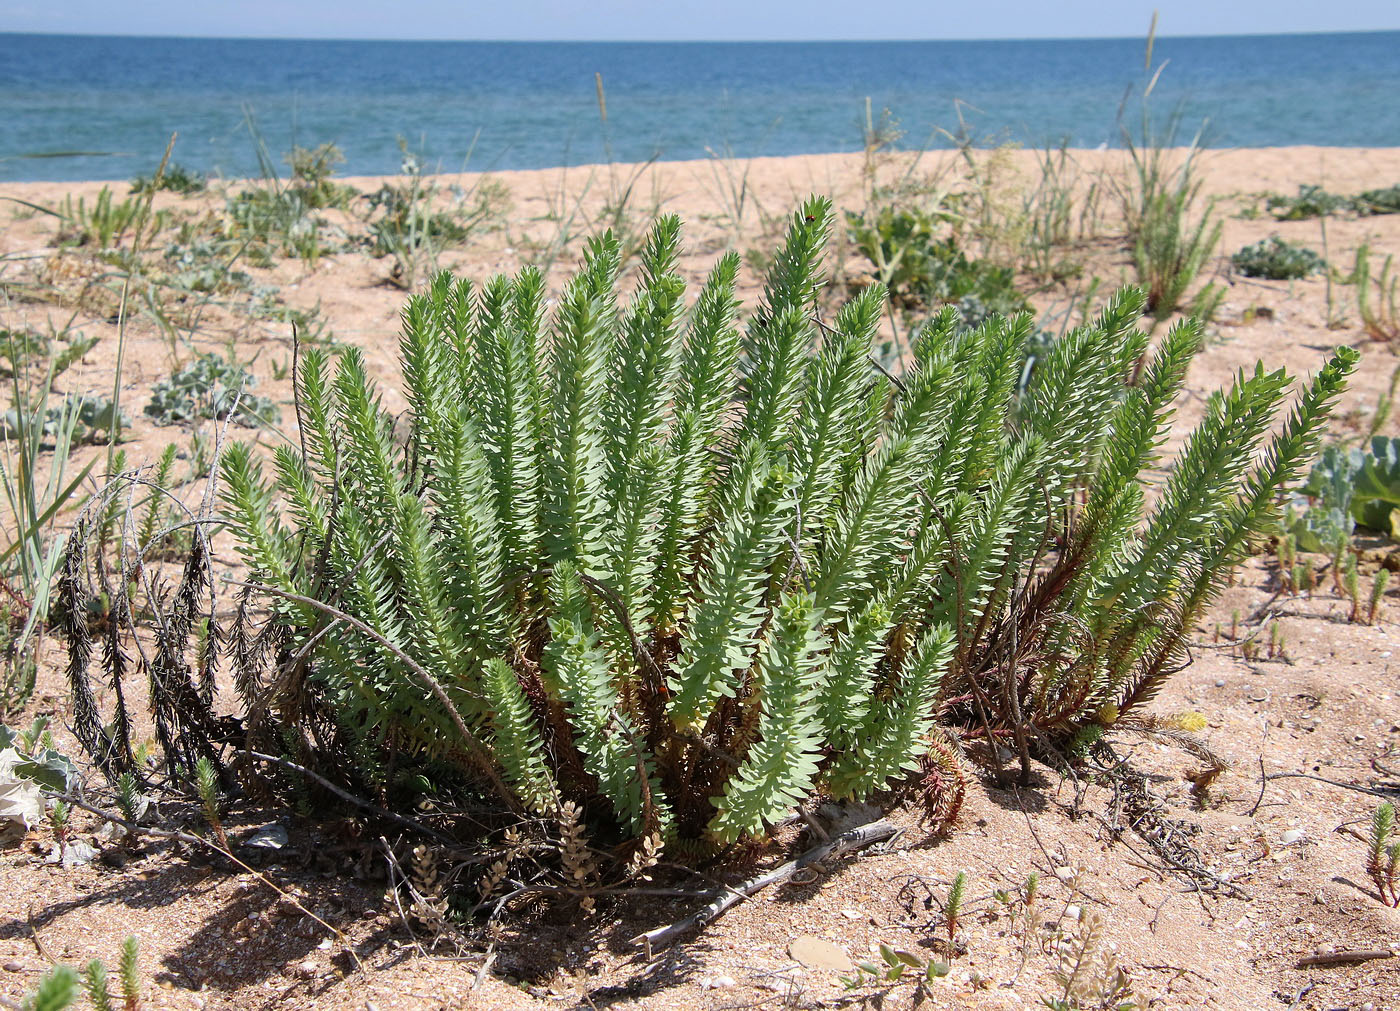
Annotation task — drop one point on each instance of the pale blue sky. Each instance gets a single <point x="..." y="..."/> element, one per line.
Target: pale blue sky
<point x="797" y="20"/>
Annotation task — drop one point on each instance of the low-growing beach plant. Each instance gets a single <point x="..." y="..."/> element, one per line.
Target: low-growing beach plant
<point x="312" y="172"/>
<point x="175" y="178"/>
<point x="29" y="356"/>
<point x="898" y="965"/>
<point x="1379" y="201"/>
<point x="1312" y="201"/>
<point x="921" y="266"/>
<point x="659" y="576"/>
<point x="282" y="215"/>
<point x="1275" y="259"/>
<point x="1354" y="486"/>
<point x="210" y="386"/>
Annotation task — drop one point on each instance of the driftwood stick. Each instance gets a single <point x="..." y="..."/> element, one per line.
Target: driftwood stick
<point x="854" y="839"/>
<point x="1343" y="957"/>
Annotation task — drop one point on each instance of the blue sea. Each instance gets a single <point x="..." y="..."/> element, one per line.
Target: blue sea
<point x="86" y="107"/>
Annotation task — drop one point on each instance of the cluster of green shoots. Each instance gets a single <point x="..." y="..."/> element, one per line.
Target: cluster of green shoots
<point x="1383" y="855"/>
<point x="1299" y="574"/>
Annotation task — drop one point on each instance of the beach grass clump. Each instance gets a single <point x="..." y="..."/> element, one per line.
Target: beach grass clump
<point x="922" y="266"/>
<point x="656" y="574"/>
<point x="282" y="215"/>
<point x="1276" y="259"/>
<point x="1172" y="232"/>
<point x="100" y="225"/>
<point x="413" y="221"/>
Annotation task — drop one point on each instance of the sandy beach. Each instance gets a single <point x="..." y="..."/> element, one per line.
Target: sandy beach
<point x="215" y="938"/>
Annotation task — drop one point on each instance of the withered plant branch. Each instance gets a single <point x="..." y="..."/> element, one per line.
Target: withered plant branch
<point x="850" y="841"/>
<point x="350" y="798"/>
<point x="433" y="685"/>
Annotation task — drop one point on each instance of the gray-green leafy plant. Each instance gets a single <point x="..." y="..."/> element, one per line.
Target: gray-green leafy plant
<point x="92" y="420"/>
<point x="1277" y="260"/>
<point x="210" y="386"/>
<point x="1354" y="486"/>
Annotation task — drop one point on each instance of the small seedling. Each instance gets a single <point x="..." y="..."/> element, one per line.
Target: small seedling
<point x="95" y="983"/>
<point x="1305" y="577"/>
<point x="1378" y="586"/>
<point x="1286" y="553"/>
<point x="59" y="816"/>
<point x="953" y="909"/>
<point x="1351" y="583"/>
<point x="1383" y="855"/>
<point x="129" y="801"/>
<point x="130" y="971"/>
<point x="206" y="779"/>
<point x="897" y="966"/>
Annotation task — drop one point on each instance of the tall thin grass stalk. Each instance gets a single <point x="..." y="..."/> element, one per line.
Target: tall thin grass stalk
<point x="138" y="235"/>
<point x="1171" y="235"/>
